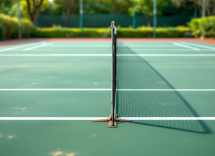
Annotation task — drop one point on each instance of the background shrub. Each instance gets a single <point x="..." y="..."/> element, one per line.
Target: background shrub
<point x="10" y="24"/>
<point x="202" y="26"/>
<point x="59" y="32"/>
<point x="143" y="32"/>
<point x="2" y="33"/>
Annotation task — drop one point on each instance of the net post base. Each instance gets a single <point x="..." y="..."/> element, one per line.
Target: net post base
<point x="110" y="121"/>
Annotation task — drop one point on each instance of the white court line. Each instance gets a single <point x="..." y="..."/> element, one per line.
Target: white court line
<point x="46" y="44"/>
<point x="52" y="118"/>
<point x="186" y="46"/>
<point x="166" y="55"/>
<point x="17" y="47"/>
<point x="83" y="46"/>
<point x="84" y="55"/>
<point x="108" y="46"/>
<point x="95" y="118"/>
<point x="141" y="46"/>
<point x="168" y="118"/>
<point x="170" y="90"/>
<point x="153" y="49"/>
<point x="55" y="55"/>
<point x="203" y="46"/>
<point x="55" y="89"/>
<point x="165" y="90"/>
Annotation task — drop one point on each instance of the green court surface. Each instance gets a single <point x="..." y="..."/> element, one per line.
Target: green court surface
<point x="51" y="91"/>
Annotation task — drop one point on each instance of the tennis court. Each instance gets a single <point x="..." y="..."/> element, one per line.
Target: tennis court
<point x="50" y="93"/>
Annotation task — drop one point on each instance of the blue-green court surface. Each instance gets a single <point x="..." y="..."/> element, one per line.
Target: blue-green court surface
<point x="50" y="93"/>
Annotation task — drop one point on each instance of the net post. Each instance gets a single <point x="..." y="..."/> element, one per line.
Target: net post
<point x="113" y="37"/>
<point x="113" y="119"/>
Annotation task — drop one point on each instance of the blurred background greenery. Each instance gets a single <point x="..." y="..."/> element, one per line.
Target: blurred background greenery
<point x="134" y="18"/>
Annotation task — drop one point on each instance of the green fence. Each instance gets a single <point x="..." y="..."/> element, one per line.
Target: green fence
<point x="103" y="20"/>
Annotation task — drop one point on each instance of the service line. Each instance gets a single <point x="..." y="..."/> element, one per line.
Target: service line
<point x="186" y="46"/>
<point x="42" y="45"/>
<point x="96" y="118"/>
<point x="55" y="89"/>
<point x="199" y="45"/>
<point x="16" y="47"/>
<point x="103" y="55"/>
<point x="155" y="90"/>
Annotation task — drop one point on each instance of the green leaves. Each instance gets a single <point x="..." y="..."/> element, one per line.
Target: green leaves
<point x="207" y="27"/>
<point x="2" y="33"/>
<point x="142" y="32"/>
<point x="204" y="26"/>
<point x="10" y="25"/>
<point x="178" y="3"/>
<point x="24" y="6"/>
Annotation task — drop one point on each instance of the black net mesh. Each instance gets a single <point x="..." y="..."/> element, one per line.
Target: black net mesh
<point x="133" y="72"/>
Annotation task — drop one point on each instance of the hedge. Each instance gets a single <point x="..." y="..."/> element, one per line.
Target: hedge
<point x="202" y="26"/>
<point x="143" y="32"/>
<point x="10" y="24"/>
<point x="2" y="33"/>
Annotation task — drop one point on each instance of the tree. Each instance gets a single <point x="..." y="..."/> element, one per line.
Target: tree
<point x="178" y="4"/>
<point x="71" y="7"/>
<point x="146" y="7"/>
<point x="5" y="5"/>
<point x="96" y="7"/>
<point x="31" y="8"/>
<point x="118" y="6"/>
<point x="210" y="6"/>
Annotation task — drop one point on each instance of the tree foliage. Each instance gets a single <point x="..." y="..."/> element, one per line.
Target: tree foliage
<point x="31" y="8"/>
<point x="69" y="5"/>
<point x="210" y="6"/>
<point x="96" y="6"/>
<point x="118" y="6"/>
<point x="178" y="3"/>
<point x="146" y="7"/>
<point x="70" y="8"/>
<point x="6" y="3"/>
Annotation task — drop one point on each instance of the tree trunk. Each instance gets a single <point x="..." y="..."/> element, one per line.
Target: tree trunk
<point x="36" y="9"/>
<point x="210" y="10"/>
<point x="178" y="10"/>
<point x="68" y="16"/>
<point x="148" y="19"/>
<point x="33" y="16"/>
<point x="213" y="12"/>
<point x="74" y="6"/>
<point x="70" y="6"/>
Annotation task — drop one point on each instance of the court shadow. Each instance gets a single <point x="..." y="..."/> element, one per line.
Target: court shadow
<point x="133" y="72"/>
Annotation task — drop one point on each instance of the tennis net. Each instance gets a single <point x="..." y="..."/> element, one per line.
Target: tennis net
<point x="131" y="75"/>
<point x="113" y="117"/>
